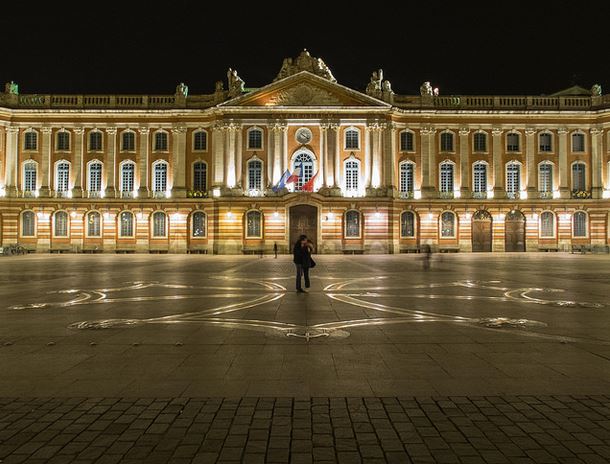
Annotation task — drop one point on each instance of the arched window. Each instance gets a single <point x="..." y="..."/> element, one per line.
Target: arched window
<point x="352" y="139"/>
<point x="479" y="177"/>
<point x="200" y="140"/>
<point x="126" y="224"/>
<point x="159" y="177"/>
<point x="545" y="177"/>
<point x="28" y="224"/>
<point x="545" y="142"/>
<point x="512" y="141"/>
<point x="352" y="224"/>
<point x="30" y="140"/>
<point x="95" y="140"/>
<point x="30" y="171"/>
<point x="579" y="224"/>
<point x="446" y="177"/>
<point x="128" y="169"/>
<point x="159" y="220"/>
<point x="446" y="141"/>
<point x="407" y="170"/>
<point x="94" y="181"/>
<point x="200" y="176"/>
<point x="94" y="224"/>
<point x="255" y="175"/>
<point x="547" y="224"/>
<point x="199" y="224"/>
<point x="254" y="227"/>
<point x="160" y="141"/>
<point x="352" y="174"/>
<point x="480" y="141"/>
<point x="62" y="176"/>
<point x="63" y="140"/>
<point x="407" y="224"/>
<point x="60" y="224"/>
<point x="305" y="162"/>
<point x="579" y="182"/>
<point x="578" y="142"/>
<point x="407" y="141"/>
<point x="513" y="179"/>
<point x="448" y="224"/>
<point x="255" y="138"/>
<point x="128" y="141"/>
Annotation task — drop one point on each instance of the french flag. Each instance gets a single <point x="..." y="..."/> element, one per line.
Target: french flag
<point x="296" y="174"/>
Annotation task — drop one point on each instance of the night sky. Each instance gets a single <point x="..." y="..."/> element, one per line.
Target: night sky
<point x="135" y="47"/>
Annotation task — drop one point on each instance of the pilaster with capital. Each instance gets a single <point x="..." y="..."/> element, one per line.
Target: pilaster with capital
<point x="389" y="157"/>
<point x="498" y="166"/>
<point x="277" y="130"/>
<point x="110" y="165"/>
<point x="179" y="161"/>
<point x="230" y="175"/>
<point x="77" y="189"/>
<point x="336" y="133"/>
<point x="376" y="170"/>
<point x="12" y="162"/>
<point x="367" y="145"/>
<point x="596" y="162"/>
<point x="239" y="167"/>
<point x="143" y="161"/>
<point x="218" y="155"/>
<point x="45" y="168"/>
<point x="326" y="155"/>
<point x="530" y="161"/>
<point x="428" y="158"/>
<point x="564" y="178"/>
<point x="464" y="162"/>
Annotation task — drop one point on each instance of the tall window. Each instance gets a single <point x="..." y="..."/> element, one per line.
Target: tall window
<point x="63" y="141"/>
<point x="95" y="177"/>
<point x="578" y="142"/>
<point x="29" y="176"/>
<point x="28" y="224"/>
<point x="127" y="176"/>
<point x="60" y="224"/>
<point x="406" y="141"/>
<point x="578" y="177"/>
<point x="200" y="170"/>
<point x="479" y="177"/>
<point x="407" y="224"/>
<point x="545" y="178"/>
<point x="545" y="141"/>
<point x="128" y="141"/>
<point x="94" y="224"/>
<point x="160" y="141"/>
<point x="160" y="176"/>
<point x="512" y="141"/>
<point x="406" y="177"/>
<point x="352" y="224"/>
<point x="255" y="139"/>
<point x="305" y="161"/>
<point x="200" y="140"/>
<point x="352" y="173"/>
<point x="30" y="140"/>
<point x="126" y="224"/>
<point x="446" y="141"/>
<point x="513" y="178"/>
<point x="159" y="224"/>
<point x="579" y="224"/>
<point x="198" y="224"/>
<point x="547" y="225"/>
<point x="447" y="225"/>
<point x="446" y="180"/>
<point x="253" y="224"/>
<point x="352" y="139"/>
<point x="95" y="141"/>
<point x="255" y="175"/>
<point x="480" y="141"/>
<point x="62" y="176"/>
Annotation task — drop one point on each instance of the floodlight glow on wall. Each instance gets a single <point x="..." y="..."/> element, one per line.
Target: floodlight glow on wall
<point x="168" y="194"/>
<point x="2" y="192"/>
<point x="490" y="193"/>
<point x="523" y="194"/>
<point x="556" y="194"/>
<point x="457" y="194"/>
<point x="216" y="192"/>
<point x="417" y="194"/>
<point x="606" y="194"/>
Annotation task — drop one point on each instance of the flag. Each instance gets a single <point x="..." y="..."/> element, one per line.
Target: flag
<point x="296" y="174"/>
<point x="308" y="186"/>
<point x="282" y="182"/>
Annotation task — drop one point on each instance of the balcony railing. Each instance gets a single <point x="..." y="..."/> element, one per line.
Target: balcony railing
<point x="159" y="194"/>
<point x="479" y="195"/>
<point x="63" y="194"/>
<point x="94" y="194"/>
<point x="406" y="195"/>
<point x="581" y="194"/>
<point x="127" y="194"/>
<point x="446" y="195"/>
<point x="196" y="194"/>
<point x="545" y="195"/>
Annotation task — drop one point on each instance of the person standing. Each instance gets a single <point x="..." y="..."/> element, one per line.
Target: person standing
<point x="275" y="249"/>
<point x="302" y="261"/>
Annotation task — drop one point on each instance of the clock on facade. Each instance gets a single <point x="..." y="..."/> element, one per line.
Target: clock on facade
<point x="303" y="135"/>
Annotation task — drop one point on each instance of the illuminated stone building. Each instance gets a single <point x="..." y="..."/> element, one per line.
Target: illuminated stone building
<point x="195" y="173"/>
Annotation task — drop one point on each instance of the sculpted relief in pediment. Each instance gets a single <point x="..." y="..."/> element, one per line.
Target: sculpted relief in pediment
<point x="302" y="95"/>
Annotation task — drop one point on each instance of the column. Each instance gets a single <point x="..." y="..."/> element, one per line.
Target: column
<point x="564" y="177"/>
<point x="285" y="149"/>
<point x="143" y="162"/>
<point x="427" y="134"/>
<point x="110" y="164"/>
<point x="77" y="189"/>
<point x="464" y="163"/>
<point x="239" y="168"/>
<point x="530" y="161"/>
<point x="270" y="157"/>
<point x="230" y="142"/>
<point x="321" y="179"/>
<point x="278" y="129"/>
<point x="326" y="156"/>
<point x="389" y="158"/>
<point x="337" y="154"/>
<point x="218" y="155"/>
<point x="368" y="143"/>
<point x="377" y="168"/>
<point x="596" y="163"/>
<point x="179" y="162"/>
<point x="12" y="160"/>
<point x="498" y="167"/>
<point x="45" y="169"/>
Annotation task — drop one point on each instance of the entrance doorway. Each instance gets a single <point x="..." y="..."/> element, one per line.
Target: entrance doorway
<point x="481" y="231"/>
<point x="514" y="231"/>
<point x="304" y="221"/>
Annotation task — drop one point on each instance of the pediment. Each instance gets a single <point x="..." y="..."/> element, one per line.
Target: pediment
<point x="305" y="90"/>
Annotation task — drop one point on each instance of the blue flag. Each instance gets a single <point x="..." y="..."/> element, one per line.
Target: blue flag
<point x="282" y="182"/>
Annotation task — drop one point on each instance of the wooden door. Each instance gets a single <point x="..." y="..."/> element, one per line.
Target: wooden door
<point x="514" y="231"/>
<point x="304" y="221"/>
<point x="481" y="235"/>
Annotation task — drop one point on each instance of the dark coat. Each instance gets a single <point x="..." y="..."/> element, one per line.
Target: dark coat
<point x="301" y="255"/>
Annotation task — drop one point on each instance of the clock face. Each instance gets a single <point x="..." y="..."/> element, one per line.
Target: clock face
<point x="303" y="135"/>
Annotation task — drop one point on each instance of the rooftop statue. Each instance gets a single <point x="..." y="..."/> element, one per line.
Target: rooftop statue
<point x="12" y="88"/>
<point x="305" y="62"/>
<point x="426" y="89"/>
<point x="182" y="89"/>
<point x="596" y="90"/>
<point x="236" y="83"/>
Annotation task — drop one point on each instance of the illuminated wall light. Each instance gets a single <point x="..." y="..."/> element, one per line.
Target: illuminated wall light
<point x="499" y="218"/>
<point x="457" y="194"/>
<point x="490" y="193"/>
<point x="565" y="217"/>
<point x="140" y="216"/>
<point x="330" y="216"/>
<point x="467" y="216"/>
<point x="417" y="194"/>
<point x="73" y="214"/>
<point x="523" y="194"/>
<point x="229" y="214"/>
<point x="43" y="216"/>
<point x="556" y="194"/>
<point x="535" y="216"/>
<point x="69" y="194"/>
<point x="168" y="194"/>
<point x="102" y="193"/>
<point x="216" y="192"/>
<point x="606" y="194"/>
<point x="276" y="214"/>
<point x="176" y="217"/>
<point x="134" y="194"/>
<point x="430" y="216"/>
<point x="107" y="216"/>
<point x="377" y="215"/>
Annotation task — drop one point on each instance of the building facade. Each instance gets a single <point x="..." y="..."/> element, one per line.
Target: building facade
<point x="196" y="173"/>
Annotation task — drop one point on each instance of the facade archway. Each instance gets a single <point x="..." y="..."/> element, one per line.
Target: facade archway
<point x="481" y="231"/>
<point x="514" y="231"/>
<point x="303" y="221"/>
